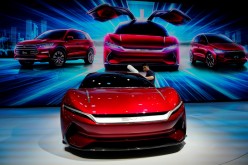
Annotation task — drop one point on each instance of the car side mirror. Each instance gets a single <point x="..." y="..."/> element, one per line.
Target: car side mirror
<point x="69" y="38"/>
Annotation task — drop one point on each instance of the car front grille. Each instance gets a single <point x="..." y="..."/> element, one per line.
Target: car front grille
<point x="26" y="50"/>
<point x="235" y="54"/>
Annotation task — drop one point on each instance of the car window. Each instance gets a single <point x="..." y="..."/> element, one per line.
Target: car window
<point x="218" y="39"/>
<point x="202" y="40"/>
<point x="58" y="34"/>
<point x="87" y="36"/>
<point x="196" y="39"/>
<point x="76" y="35"/>
<point x="114" y="80"/>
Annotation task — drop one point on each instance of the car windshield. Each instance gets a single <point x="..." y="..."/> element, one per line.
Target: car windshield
<point x="141" y="28"/>
<point x="218" y="39"/>
<point x="58" y="34"/>
<point x="114" y="80"/>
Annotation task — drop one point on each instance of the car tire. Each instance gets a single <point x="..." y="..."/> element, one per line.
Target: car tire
<point x="26" y="63"/>
<point x="58" y="58"/>
<point x="191" y="58"/>
<point x="210" y="61"/>
<point x="90" y="57"/>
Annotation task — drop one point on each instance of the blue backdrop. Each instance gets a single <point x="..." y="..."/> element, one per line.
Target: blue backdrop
<point x="45" y="86"/>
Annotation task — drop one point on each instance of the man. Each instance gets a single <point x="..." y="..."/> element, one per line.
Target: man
<point x="150" y="75"/>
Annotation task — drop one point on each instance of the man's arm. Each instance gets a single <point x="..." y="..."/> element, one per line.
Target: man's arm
<point x="149" y="77"/>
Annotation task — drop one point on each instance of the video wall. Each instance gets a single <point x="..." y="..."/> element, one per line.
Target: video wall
<point x="207" y="70"/>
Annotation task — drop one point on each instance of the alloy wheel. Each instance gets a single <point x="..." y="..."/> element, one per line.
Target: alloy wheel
<point x="58" y="58"/>
<point x="210" y="60"/>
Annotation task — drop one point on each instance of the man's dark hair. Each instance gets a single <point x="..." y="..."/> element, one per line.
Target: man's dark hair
<point x="145" y="64"/>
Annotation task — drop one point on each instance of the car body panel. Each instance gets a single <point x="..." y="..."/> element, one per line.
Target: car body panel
<point x="121" y="118"/>
<point x="223" y="53"/>
<point x="74" y="48"/>
<point x="136" y="49"/>
<point x="141" y="41"/>
<point x="133" y="100"/>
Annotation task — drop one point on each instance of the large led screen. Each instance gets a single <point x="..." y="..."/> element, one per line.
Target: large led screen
<point x="195" y="79"/>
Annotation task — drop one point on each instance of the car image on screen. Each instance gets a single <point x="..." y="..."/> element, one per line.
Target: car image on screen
<point x="214" y="49"/>
<point x="136" y="42"/>
<point x="56" y="47"/>
<point x="121" y="111"/>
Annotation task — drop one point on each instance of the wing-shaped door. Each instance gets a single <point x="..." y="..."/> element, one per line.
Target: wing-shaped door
<point x="107" y="12"/>
<point x="174" y="16"/>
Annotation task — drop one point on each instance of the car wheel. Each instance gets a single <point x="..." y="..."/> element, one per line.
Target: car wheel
<point x="90" y="57"/>
<point x="26" y="63"/>
<point x="210" y="61"/>
<point x="191" y="58"/>
<point x="58" y="58"/>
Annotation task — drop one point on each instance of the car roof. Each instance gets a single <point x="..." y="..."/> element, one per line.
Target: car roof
<point x="210" y="34"/>
<point x="70" y="29"/>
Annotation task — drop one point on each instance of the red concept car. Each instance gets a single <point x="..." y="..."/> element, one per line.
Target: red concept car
<point x="55" y="47"/>
<point x="214" y="49"/>
<point x="136" y="42"/>
<point x="121" y="111"/>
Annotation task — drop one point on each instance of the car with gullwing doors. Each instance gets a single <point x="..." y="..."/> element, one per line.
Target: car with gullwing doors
<point x="136" y="42"/>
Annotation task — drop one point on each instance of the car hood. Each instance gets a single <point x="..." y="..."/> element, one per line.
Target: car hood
<point x="142" y="41"/>
<point x="37" y="41"/>
<point x="122" y="101"/>
<point x="227" y="46"/>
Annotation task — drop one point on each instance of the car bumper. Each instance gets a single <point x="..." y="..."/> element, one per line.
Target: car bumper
<point x="83" y="134"/>
<point x="38" y="57"/>
<point x="232" y="61"/>
<point x="138" y="57"/>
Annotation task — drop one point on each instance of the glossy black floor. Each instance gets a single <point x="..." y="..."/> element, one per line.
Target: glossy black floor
<point x="217" y="134"/>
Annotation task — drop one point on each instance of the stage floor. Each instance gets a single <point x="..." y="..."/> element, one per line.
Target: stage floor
<point x="217" y="134"/>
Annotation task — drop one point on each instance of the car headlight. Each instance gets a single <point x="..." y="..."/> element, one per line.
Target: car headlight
<point x="112" y="45"/>
<point x="171" y="47"/>
<point x="45" y="45"/>
<point x="69" y="108"/>
<point x="175" y="109"/>
<point x="132" y="119"/>
<point x="218" y="51"/>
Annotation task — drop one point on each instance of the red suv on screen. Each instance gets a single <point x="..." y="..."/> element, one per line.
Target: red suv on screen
<point x="214" y="49"/>
<point x="55" y="47"/>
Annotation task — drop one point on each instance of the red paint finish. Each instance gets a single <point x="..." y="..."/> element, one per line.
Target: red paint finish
<point x="136" y="42"/>
<point x="126" y="100"/>
<point x="220" y="48"/>
<point x="122" y="49"/>
<point x="74" y="44"/>
<point x="82" y="132"/>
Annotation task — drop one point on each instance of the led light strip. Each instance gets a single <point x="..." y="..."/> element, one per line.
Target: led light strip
<point x="136" y="119"/>
<point x="142" y="50"/>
